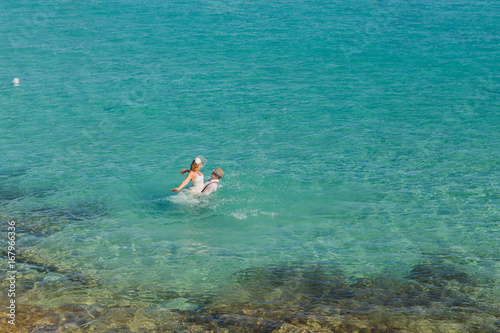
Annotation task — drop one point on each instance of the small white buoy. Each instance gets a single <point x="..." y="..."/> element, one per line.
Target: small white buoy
<point x="16" y="81"/>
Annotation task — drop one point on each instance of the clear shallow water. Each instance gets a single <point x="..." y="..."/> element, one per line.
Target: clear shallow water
<point x="362" y="136"/>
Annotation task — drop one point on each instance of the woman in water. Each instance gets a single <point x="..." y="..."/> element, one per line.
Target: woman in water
<point x="194" y="175"/>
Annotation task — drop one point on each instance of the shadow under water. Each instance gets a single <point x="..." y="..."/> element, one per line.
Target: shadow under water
<point x="10" y="190"/>
<point x="44" y="221"/>
<point x="9" y="173"/>
<point x="12" y="193"/>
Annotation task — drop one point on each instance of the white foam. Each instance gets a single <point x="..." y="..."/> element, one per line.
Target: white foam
<point x="239" y="216"/>
<point x="185" y="199"/>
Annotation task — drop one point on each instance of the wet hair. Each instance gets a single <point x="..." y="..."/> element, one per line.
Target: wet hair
<point x="195" y="167"/>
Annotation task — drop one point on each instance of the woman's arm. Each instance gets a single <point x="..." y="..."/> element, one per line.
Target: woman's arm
<point x="184" y="183"/>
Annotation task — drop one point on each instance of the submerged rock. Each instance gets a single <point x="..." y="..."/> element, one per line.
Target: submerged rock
<point x="10" y="193"/>
<point x="180" y="303"/>
<point x="439" y="274"/>
<point x="45" y="221"/>
<point x="7" y="173"/>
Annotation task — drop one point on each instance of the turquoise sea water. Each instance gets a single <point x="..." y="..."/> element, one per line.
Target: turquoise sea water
<point x="359" y="140"/>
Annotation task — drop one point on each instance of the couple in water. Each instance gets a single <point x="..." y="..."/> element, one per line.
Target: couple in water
<point x="196" y="177"/>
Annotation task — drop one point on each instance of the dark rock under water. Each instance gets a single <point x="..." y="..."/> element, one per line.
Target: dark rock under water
<point x="16" y="172"/>
<point x="44" y="221"/>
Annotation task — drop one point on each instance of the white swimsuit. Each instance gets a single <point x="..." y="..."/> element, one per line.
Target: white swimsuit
<point x="197" y="184"/>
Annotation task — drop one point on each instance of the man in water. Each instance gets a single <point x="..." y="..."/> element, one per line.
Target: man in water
<point x="212" y="184"/>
